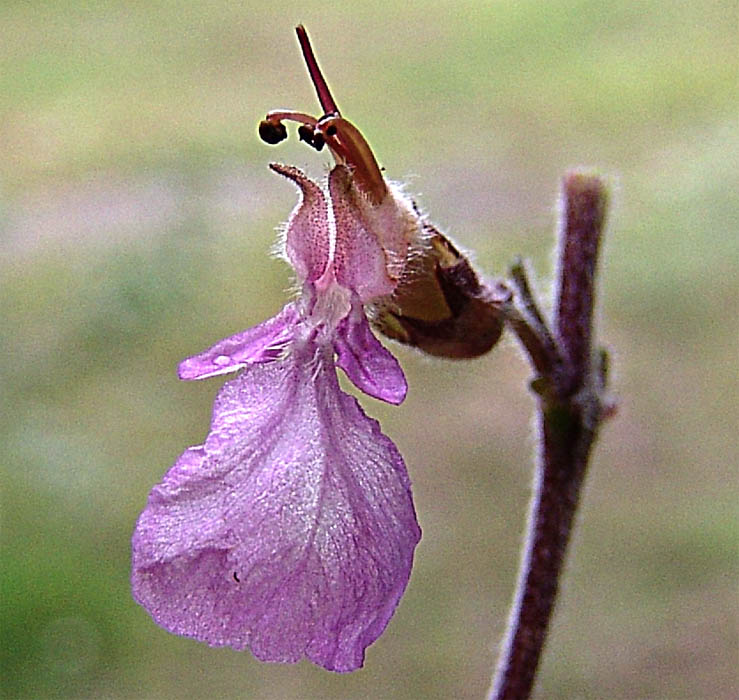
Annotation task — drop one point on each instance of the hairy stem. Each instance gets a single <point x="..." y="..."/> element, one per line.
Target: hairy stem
<point x="570" y="386"/>
<point x="584" y="204"/>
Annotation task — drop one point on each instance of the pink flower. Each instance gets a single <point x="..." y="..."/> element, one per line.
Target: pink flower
<point x="291" y="529"/>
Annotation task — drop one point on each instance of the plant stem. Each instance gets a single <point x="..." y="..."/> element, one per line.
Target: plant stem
<point x="570" y="388"/>
<point x="584" y="204"/>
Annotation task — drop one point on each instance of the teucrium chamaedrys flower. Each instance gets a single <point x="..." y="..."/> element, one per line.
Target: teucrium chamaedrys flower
<point x="291" y="530"/>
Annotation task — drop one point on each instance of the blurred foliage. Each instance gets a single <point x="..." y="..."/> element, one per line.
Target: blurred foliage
<point x="136" y="218"/>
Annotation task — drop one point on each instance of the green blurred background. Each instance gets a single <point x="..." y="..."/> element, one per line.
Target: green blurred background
<point x="136" y="218"/>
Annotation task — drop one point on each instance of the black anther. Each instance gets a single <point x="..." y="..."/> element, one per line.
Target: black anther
<point x="272" y="132"/>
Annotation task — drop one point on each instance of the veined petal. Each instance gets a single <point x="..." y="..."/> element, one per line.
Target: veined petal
<point x="264" y="342"/>
<point x="290" y="531"/>
<point x="371" y="367"/>
<point x="307" y="239"/>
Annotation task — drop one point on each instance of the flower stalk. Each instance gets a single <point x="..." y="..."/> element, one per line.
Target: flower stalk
<point x="570" y="385"/>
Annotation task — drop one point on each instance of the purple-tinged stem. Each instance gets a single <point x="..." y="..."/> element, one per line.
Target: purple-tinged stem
<point x="570" y="387"/>
<point x="584" y="204"/>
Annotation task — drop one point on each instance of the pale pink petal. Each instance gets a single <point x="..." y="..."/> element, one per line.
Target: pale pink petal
<point x="261" y="343"/>
<point x="371" y="367"/>
<point x="360" y="263"/>
<point x="307" y="235"/>
<point x="290" y="531"/>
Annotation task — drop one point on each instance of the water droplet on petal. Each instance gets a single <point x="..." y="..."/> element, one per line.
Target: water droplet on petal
<point x="222" y="360"/>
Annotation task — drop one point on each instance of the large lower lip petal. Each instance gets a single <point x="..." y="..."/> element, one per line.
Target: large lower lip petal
<point x="291" y="531"/>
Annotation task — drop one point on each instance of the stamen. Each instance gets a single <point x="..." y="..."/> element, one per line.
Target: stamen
<point x="324" y="94"/>
<point x="345" y="141"/>
<point x="272" y="132"/>
<point x="277" y="115"/>
<point x="312" y="138"/>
